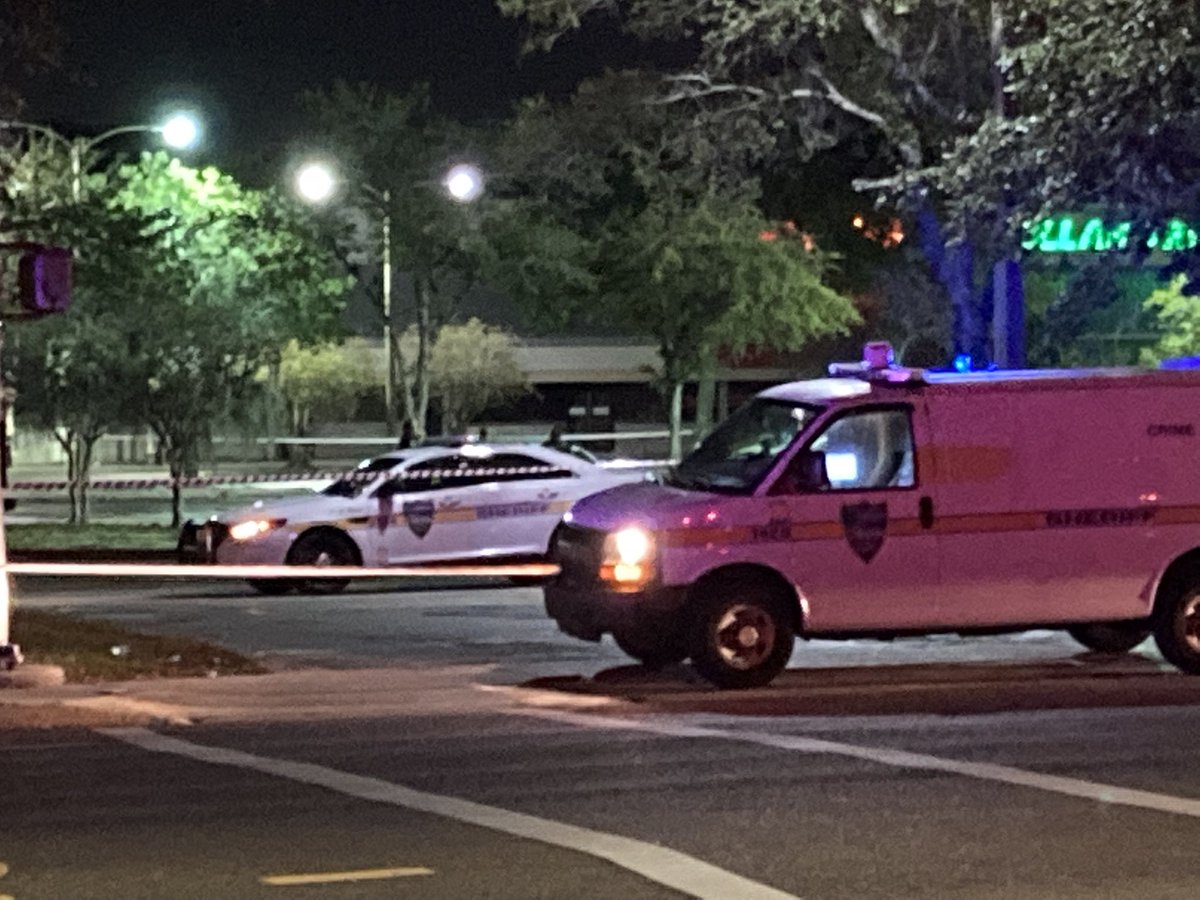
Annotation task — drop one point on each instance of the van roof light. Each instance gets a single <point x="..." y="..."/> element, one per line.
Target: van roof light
<point x="878" y="355"/>
<point x="878" y="364"/>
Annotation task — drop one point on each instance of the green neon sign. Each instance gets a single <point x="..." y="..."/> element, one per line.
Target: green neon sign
<point x="1077" y="234"/>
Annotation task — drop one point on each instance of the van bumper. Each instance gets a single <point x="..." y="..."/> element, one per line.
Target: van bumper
<point x="588" y="611"/>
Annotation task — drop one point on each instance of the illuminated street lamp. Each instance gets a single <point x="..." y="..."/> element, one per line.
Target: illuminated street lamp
<point x="317" y="182"/>
<point x="180" y="131"/>
<point x="464" y="183"/>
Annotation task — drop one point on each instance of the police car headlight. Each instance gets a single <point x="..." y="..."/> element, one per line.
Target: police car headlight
<point x="628" y="560"/>
<point x="245" y="531"/>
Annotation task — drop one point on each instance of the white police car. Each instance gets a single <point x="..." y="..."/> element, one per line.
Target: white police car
<point x="428" y="504"/>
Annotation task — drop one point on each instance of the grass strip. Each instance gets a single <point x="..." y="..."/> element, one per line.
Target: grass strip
<point x="53" y="536"/>
<point x="98" y="650"/>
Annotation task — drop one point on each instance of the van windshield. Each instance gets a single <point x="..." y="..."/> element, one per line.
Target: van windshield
<point x="742" y="448"/>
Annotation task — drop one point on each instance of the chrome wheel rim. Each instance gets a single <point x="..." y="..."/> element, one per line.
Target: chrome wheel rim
<point x="745" y="636"/>
<point x="1190" y="620"/>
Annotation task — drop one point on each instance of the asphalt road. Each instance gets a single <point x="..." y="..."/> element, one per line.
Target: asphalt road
<point x="1000" y="767"/>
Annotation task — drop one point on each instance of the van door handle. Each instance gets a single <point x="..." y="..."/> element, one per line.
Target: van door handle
<point x="925" y="512"/>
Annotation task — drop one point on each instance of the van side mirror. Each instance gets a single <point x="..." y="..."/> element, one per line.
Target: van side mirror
<point x="806" y="473"/>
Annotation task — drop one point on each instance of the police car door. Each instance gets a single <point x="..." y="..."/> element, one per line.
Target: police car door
<point x="861" y="549"/>
<point x="517" y="510"/>
<point x="421" y="513"/>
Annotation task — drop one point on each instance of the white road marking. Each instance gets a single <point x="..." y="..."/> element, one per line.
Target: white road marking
<point x="1056" y="784"/>
<point x="342" y="877"/>
<point x="662" y="865"/>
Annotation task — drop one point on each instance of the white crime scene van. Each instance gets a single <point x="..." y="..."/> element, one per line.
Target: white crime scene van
<point x="884" y="501"/>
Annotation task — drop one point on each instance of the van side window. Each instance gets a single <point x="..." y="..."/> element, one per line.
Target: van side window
<point x="868" y="450"/>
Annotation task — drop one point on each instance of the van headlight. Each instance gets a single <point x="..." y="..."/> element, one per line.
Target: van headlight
<point x="628" y="559"/>
<point x="248" y="530"/>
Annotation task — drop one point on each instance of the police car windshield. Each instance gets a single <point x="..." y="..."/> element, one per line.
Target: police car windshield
<point x="364" y="474"/>
<point x="742" y="448"/>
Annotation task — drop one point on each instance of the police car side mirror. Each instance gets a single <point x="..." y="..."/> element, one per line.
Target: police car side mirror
<point x="805" y="473"/>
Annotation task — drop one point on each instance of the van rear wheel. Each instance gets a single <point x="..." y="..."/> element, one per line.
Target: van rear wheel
<point x="1110" y="637"/>
<point x="741" y="635"/>
<point x="1177" y="626"/>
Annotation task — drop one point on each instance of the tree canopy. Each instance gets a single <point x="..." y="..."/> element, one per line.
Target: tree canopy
<point x="648" y="230"/>
<point x="185" y="285"/>
<point x="977" y="115"/>
<point x="472" y="367"/>
<point x="392" y="153"/>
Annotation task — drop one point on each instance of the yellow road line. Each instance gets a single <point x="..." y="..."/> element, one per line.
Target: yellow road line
<point x="335" y="877"/>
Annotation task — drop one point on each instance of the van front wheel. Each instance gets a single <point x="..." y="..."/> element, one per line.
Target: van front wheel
<point x="654" y="651"/>
<point x="1110" y="637"/>
<point x="741" y="635"/>
<point x="1177" y="627"/>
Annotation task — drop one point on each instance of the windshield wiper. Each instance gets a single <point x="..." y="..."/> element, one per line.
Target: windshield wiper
<point x="715" y="483"/>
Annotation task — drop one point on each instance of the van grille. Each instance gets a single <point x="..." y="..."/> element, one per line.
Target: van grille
<point x="577" y="551"/>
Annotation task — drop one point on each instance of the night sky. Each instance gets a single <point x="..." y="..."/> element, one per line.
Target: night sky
<point x="241" y="63"/>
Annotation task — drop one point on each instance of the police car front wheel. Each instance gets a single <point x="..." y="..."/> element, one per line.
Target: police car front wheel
<point x="742" y="636"/>
<point x="322" y="548"/>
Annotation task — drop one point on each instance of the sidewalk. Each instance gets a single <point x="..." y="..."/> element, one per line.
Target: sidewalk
<point x="288" y="696"/>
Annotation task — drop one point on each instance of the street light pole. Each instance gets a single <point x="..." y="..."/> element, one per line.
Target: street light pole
<point x="389" y="327"/>
<point x="316" y="182"/>
<point x="179" y="131"/>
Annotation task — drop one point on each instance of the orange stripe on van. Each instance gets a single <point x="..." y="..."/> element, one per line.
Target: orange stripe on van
<point x="1176" y="515"/>
<point x="983" y="523"/>
<point x="987" y="522"/>
<point x="965" y="464"/>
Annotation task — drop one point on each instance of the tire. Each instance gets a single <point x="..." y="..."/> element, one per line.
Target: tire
<point x="741" y="635"/>
<point x="322" y="548"/>
<point x="653" y="651"/>
<point x="1177" y="624"/>
<point x="271" y="587"/>
<point x="1110" y="637"/>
